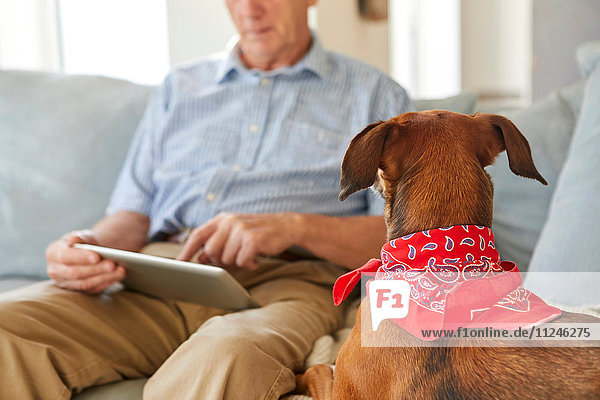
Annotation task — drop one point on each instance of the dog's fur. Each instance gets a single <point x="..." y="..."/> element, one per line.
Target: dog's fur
<point x="429" y="166"/>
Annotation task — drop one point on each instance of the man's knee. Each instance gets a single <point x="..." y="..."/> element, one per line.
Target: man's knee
<point x="227" y="341"/>
<point x="233" y="347"/>
<point x="222" y="367"/>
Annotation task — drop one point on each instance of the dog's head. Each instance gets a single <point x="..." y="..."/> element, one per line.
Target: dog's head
<point x="429" y="167"/>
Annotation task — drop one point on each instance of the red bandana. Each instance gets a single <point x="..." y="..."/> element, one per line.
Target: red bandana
<point x="456" y="279"/>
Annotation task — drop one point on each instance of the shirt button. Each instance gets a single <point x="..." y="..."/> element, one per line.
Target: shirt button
<point x="237" y="167"/>
<point x="265" y="82"/>
<point x="253" y="128"/>
<point x="210" y="197"/>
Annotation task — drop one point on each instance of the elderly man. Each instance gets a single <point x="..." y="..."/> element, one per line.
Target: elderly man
<point x="247" y="148"/>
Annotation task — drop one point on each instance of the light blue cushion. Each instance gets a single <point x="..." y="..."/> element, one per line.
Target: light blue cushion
<point x="520" y="204"/>
<point x="570" y="240"/>
<point x="130" y="389"/>
<point x="463" y="103"/>
<point x="588" y="57"/>
<point x="64" y="139"/>
<point x="15" y="283"/>
<point x="573" y="95"/>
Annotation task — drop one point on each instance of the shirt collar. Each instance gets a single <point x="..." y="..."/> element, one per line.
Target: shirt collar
<point x="315" y="61"/>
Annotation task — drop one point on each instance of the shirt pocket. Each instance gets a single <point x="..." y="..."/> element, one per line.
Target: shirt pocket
<point x="305" y="144"/>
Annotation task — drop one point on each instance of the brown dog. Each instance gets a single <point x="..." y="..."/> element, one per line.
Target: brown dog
<point x="429" y="166"/>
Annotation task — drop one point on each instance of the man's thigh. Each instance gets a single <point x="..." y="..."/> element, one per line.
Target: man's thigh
<point x="85" y="339"/>
<point x="251" y="354"/>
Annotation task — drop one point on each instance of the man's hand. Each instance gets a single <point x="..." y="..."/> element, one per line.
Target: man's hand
<point x="79" y="269"/>
<point x="234" y="240"/>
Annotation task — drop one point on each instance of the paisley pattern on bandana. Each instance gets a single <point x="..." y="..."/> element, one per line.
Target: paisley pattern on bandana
<point x="432" y="277"/>
<point x="456" y="278"/>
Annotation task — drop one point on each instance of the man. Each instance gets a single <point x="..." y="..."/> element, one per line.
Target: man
<point x="248" y="149"/>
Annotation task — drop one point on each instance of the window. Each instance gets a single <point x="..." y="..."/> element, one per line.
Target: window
<point x="119" y="38"/>
<point x="29" y="35"/>
<point x="425" y="46"/>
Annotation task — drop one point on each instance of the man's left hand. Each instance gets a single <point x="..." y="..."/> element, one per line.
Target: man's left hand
<point x="234" y="240"/>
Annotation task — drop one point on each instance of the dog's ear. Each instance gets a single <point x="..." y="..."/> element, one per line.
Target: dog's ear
<point x="517" y="147"/>
<point x="362" y="158"/>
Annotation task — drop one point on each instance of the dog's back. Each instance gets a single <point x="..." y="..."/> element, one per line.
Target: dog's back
<point x="403" y="370"/>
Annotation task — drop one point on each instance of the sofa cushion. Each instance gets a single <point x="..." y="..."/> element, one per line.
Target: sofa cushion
<point x="520" y="204"/>
<point x="130" y="389"/>
<point x="463" y="103"/>
<point x="588" y="57"/>
<point x="8" y="283"/>
<point x="573" y="95"/>
<point x="565" y="267"/>
<point x="64" y="139"/>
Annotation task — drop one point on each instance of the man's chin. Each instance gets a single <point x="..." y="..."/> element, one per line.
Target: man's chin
<point x="259" y="51"/>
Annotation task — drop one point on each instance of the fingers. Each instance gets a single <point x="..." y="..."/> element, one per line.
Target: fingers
<point x="64" y="254"/>
<point x="214" y="246"/>
<point x="83" y="236"/>
<point x="246" y="257"/>
<point x="61" y="251"/>
<point x="95" y="284"/>
<point x="196" y="240"/>
<point x="203" y="258"/>
<point x="79" y="269"/>
<point x="231" y="249"/>
<point x="80" y="272"/>
<point x="221" y="240"/>
<point x="236" y="239"/>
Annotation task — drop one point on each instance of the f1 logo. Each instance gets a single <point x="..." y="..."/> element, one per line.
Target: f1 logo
<point x="389" y="300"/>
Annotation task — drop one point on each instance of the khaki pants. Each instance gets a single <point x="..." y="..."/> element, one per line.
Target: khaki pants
<point x="54" y="342"/>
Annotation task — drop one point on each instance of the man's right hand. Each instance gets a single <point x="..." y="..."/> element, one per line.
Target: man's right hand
<point x="79" y="269"/>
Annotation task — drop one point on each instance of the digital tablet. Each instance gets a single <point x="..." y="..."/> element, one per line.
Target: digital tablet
<point x="177" y="280"/>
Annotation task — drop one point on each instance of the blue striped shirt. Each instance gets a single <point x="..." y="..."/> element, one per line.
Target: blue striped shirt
<point x="217" y="136"/>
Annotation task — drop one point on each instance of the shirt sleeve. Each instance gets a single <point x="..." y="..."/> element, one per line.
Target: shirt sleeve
<point x="391" y="100"/>
<point x="134" y="190"/>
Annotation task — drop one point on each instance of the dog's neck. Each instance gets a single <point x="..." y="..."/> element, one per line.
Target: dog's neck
<point x="432" y="197"/>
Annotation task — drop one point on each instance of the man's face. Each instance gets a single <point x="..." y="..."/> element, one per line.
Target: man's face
<point x="269" y="28"/>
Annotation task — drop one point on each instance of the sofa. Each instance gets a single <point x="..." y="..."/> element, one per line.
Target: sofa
<point x="64" y="138"/>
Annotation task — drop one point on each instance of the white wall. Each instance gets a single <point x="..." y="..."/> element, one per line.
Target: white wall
<point x="559" y="26"/>
<point x="197" y="28"/>
<point x="29" y="35"/>
<point x="425" y="46"/>
<point x="496" y="48"/>
<point x="341" y="29"/>
<point x="109" y="37"/>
